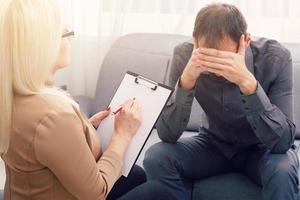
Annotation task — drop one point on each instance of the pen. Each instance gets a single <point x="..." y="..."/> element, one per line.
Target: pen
<point x="118" y="110"/>
<point x="132" y="102"/>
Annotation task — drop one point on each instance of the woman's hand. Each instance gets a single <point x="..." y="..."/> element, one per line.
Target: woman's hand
<point x="127" y="123"/>
<point x="97" y="118"/>
<point x="128" y="120"/>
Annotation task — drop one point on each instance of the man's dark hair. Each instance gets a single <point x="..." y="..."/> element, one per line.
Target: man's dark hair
<point x="216" y="21"/>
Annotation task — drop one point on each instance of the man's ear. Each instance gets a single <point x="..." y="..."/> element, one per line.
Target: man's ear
<point x="247" y="39"/>
<point x="195" y="42"/>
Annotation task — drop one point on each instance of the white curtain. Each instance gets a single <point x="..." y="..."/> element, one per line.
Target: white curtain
<point x="98" y="23"/>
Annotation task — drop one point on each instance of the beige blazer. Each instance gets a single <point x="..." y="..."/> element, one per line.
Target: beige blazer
<point x="54" y="153"/>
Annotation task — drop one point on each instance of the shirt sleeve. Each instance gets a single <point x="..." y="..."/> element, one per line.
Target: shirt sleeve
<point x="271" y="115"/>
<point x="60" y="144"/>
<point x="175" y="116"/>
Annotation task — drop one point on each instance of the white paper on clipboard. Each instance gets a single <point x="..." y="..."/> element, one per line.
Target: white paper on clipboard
<point x="151" y="97"/>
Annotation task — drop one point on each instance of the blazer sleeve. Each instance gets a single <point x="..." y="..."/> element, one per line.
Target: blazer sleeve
<point x="60" y="145"/>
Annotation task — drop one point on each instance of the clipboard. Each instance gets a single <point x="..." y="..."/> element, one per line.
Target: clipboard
<point x="152" y="97"/>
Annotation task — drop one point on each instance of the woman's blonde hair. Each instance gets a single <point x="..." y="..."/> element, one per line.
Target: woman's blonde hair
<point x="30" y="37"/>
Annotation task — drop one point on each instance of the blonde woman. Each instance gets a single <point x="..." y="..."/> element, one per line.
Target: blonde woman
<point x="50" y="148"/>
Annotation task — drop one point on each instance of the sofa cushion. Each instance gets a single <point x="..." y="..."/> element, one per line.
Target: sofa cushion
<point x="231" y="186"/>
<point x="297" y="97"/>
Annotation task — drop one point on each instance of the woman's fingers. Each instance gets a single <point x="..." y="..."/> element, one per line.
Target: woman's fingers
<point x="97" y="118"/>
<point x="129" y="104"/>
<point x="103" y="114"/>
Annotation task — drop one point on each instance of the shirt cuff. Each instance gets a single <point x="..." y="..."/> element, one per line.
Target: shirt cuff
<point x="182" y="96"/>
<point x="257" y="102"/>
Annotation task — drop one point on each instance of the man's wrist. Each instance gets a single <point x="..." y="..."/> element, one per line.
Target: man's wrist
<point x="186" y="82"/>
<point x="248" y="86"/>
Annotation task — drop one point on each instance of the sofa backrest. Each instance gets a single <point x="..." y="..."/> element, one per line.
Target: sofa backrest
<point x="295" y="51"/>
<point x="150" y="55"/>
<point x="145" y="54"/>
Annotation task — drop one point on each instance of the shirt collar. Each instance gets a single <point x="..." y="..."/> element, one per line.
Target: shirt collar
<point x="249" y="59"/>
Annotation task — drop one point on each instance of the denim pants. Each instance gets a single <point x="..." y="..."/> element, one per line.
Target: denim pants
<point x="177" y="165"/>
<point x="135" y="187"/>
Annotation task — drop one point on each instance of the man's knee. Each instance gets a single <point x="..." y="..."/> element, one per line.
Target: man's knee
<point x="281" y="168"/>
<point x="157" y="156"/>
<point x="285" y="170"/>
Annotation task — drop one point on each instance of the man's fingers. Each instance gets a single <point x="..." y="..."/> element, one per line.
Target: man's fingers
<point x="214" y="71"/>
<point x="242" y="46"/>
<point x="225" y="61"/>
<point x="211" y="65"/>
<point x="216" y="53"/>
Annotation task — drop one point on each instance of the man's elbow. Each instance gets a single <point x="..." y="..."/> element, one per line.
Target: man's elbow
<point x="167" y="138"/>
<point x="280" y="150"/>
<point x="166" y="133"/>
<point x="282" y="146"/>
<point x="286" y="141"/>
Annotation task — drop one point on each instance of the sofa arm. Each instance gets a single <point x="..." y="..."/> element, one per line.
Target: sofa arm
<point x="85" y="104"/>
<point x="297" y="133"/>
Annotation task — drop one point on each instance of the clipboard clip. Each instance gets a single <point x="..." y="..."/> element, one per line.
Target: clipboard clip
<point x="146" y="82"/>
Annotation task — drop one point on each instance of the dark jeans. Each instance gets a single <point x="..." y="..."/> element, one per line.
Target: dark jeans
<point x="177" y="165"/>
<point x="135" y="187"/>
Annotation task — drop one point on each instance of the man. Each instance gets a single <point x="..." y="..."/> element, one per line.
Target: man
<point x="246" y="92"/>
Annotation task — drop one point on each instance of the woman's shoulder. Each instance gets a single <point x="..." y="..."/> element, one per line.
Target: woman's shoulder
<point x="44" y="102"/>
<point x="31" y="110"/>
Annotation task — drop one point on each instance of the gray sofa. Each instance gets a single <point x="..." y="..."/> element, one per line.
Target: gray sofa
<point x="150" y="55"/>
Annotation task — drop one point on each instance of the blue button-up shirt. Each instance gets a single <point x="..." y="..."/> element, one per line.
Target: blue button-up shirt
<point x="237" y="121"/>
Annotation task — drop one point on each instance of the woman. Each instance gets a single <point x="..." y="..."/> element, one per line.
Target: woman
<point x="50" y="148"/>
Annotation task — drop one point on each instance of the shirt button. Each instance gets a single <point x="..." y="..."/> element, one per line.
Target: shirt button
<point x="243" y="100"/>
<point x="254" y="128"/>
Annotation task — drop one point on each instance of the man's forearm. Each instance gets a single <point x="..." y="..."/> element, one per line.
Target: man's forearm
<point x="275" y="130"/>
<point x="175" y="116"/>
